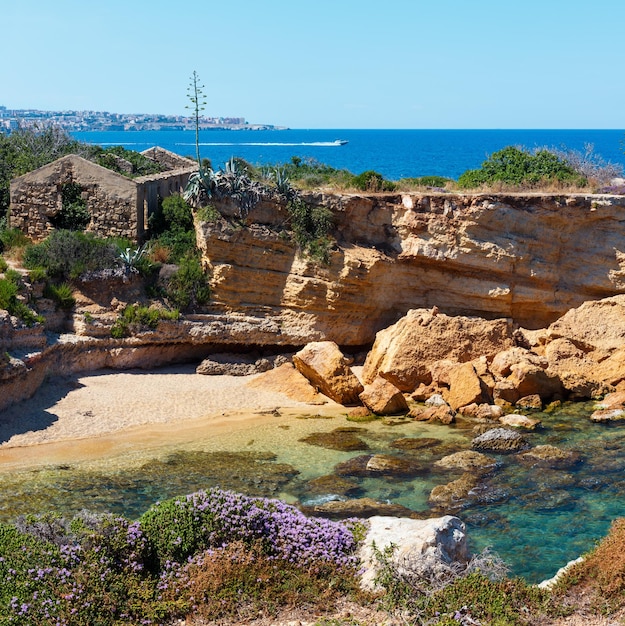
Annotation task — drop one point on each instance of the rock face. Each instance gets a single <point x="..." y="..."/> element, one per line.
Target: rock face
<point x="418" y="543"/>
<point x="324" y="365"/>
<point x="524" y="257"/>
<point x="404" y="352"/>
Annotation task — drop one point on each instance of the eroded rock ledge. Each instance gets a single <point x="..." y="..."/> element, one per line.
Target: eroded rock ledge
<point x="528" y="257"/>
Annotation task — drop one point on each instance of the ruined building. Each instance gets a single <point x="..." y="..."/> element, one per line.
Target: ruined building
<point x="118" y="206"/>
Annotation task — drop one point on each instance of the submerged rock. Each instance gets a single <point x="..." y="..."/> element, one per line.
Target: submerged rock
<point x="389" y="465"/>
<point x="550" y="456"/>
<point x="455" y="495"/>
<point x="359" y="507"/>
<point x="331" y="484"/>
<point x="519" y="421"/>
<point x="468" y="460"/>
<point x="501" y="440"/>
<point x="415" y="443"/>
<point x="343" y="439"/>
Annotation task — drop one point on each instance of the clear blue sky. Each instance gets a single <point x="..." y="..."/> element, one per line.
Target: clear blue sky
<point x="324" y="63"/>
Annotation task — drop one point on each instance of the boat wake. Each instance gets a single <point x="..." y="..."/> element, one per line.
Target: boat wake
<point x="320" y="144"/>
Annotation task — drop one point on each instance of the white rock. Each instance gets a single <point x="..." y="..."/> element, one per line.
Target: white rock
<point x="437" y="539"/>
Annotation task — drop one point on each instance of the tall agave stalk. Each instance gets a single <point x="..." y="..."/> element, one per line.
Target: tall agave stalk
<point x="195" y="94"/>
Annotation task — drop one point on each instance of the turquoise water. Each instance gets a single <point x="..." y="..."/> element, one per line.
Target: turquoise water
<point x="394" y="153"/>
<point x="537" y="519"/>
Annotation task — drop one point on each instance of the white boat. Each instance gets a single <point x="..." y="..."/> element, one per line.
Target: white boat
<point x="340" y="142"/>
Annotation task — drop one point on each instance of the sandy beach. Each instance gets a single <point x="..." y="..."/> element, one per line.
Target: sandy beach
<point x="97" y="414"/>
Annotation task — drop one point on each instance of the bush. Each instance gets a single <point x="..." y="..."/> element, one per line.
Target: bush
<point x="62" y="294"/>
<point x="517" y="166"/>
<point x="139" y="164"/>
<point x="180" y="527"/>
<point x="188" y="288"/>
<point x="13" y="238"/>
<point x="9" y="290"/>
<point x="135" y="318"/>
<point x="311" y="225"/>
<point x="372" y="181"/>
<point x="68" y="254"/>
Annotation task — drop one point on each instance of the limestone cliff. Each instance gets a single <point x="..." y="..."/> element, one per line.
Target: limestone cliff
<point x="529" y="257"/>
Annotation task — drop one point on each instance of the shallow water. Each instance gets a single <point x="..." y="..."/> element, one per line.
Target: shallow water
<point x="536" y="519"/>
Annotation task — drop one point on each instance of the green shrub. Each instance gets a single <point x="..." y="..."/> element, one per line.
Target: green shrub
<point x="13" y="238"/>
<point x="3" y="264"/>
<point x="208" y="213"/>
<point x="68" y="254"/>
<point x="139" y="164"/>
<point x="372" y="181"/>
<point x="188" y="288"/>
<point x="517" y="166"/>
<point x="135" y="318"/>
<point x="62" y="294"/>
<point x="9" y="290"/>
<point x="37" y="273"/>
<point x="13" y="275"/>
<point x="311" y="225"/>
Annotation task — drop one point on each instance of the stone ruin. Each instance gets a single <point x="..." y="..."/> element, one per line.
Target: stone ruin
<point x="118" y="206"/>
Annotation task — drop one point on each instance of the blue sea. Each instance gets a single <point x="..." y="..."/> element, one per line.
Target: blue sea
<point x="394" y="153"/>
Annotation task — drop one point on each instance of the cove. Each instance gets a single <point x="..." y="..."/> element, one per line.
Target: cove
<point x="537" y="519"/>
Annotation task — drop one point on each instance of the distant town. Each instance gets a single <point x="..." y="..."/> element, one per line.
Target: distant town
<point x="73" y="121"/>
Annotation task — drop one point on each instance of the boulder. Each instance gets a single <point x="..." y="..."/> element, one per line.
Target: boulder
<point x="530" y="379"/>
<point x="455" y="495"/>
<point x="388" y="465"/>
<point x="608" y="415"/>
<point x="530" y="402"/>
<point x="482" y="411"/>
<point x="443" y="414"/>
<point x="465" y="387"/>
<point x="404" y="352"/>
<point x="500" y="440"/>
<point x="418" y="544"/>
<point x="519" y="421"/>
<point x="595" y="325"/>
<point x="550" y="456"/>
<point x="287" y="380"/>
<point x="468" y="461"/>
<point x="324" y="365"/>
<point x="383" y="398"/>
<point x="501" y="365"/>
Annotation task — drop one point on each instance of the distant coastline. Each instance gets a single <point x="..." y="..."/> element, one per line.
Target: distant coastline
<point x="103" y="121"/>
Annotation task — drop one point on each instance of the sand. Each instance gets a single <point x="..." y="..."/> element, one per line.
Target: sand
<point x="100" y="413"/>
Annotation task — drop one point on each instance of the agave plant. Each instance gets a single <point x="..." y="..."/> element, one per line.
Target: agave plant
<point x="130" y="258"/>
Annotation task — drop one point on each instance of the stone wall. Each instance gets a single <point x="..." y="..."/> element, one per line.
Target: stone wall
<point x="119" y="206"/>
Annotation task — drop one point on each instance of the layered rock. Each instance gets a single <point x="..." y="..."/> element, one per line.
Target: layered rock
<point x="524" y="257"/>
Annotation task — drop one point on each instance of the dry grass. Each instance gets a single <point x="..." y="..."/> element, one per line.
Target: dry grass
<point x="596" y="587"/>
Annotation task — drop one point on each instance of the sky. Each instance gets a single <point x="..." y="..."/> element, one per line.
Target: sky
<point x="324" y="63"/>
